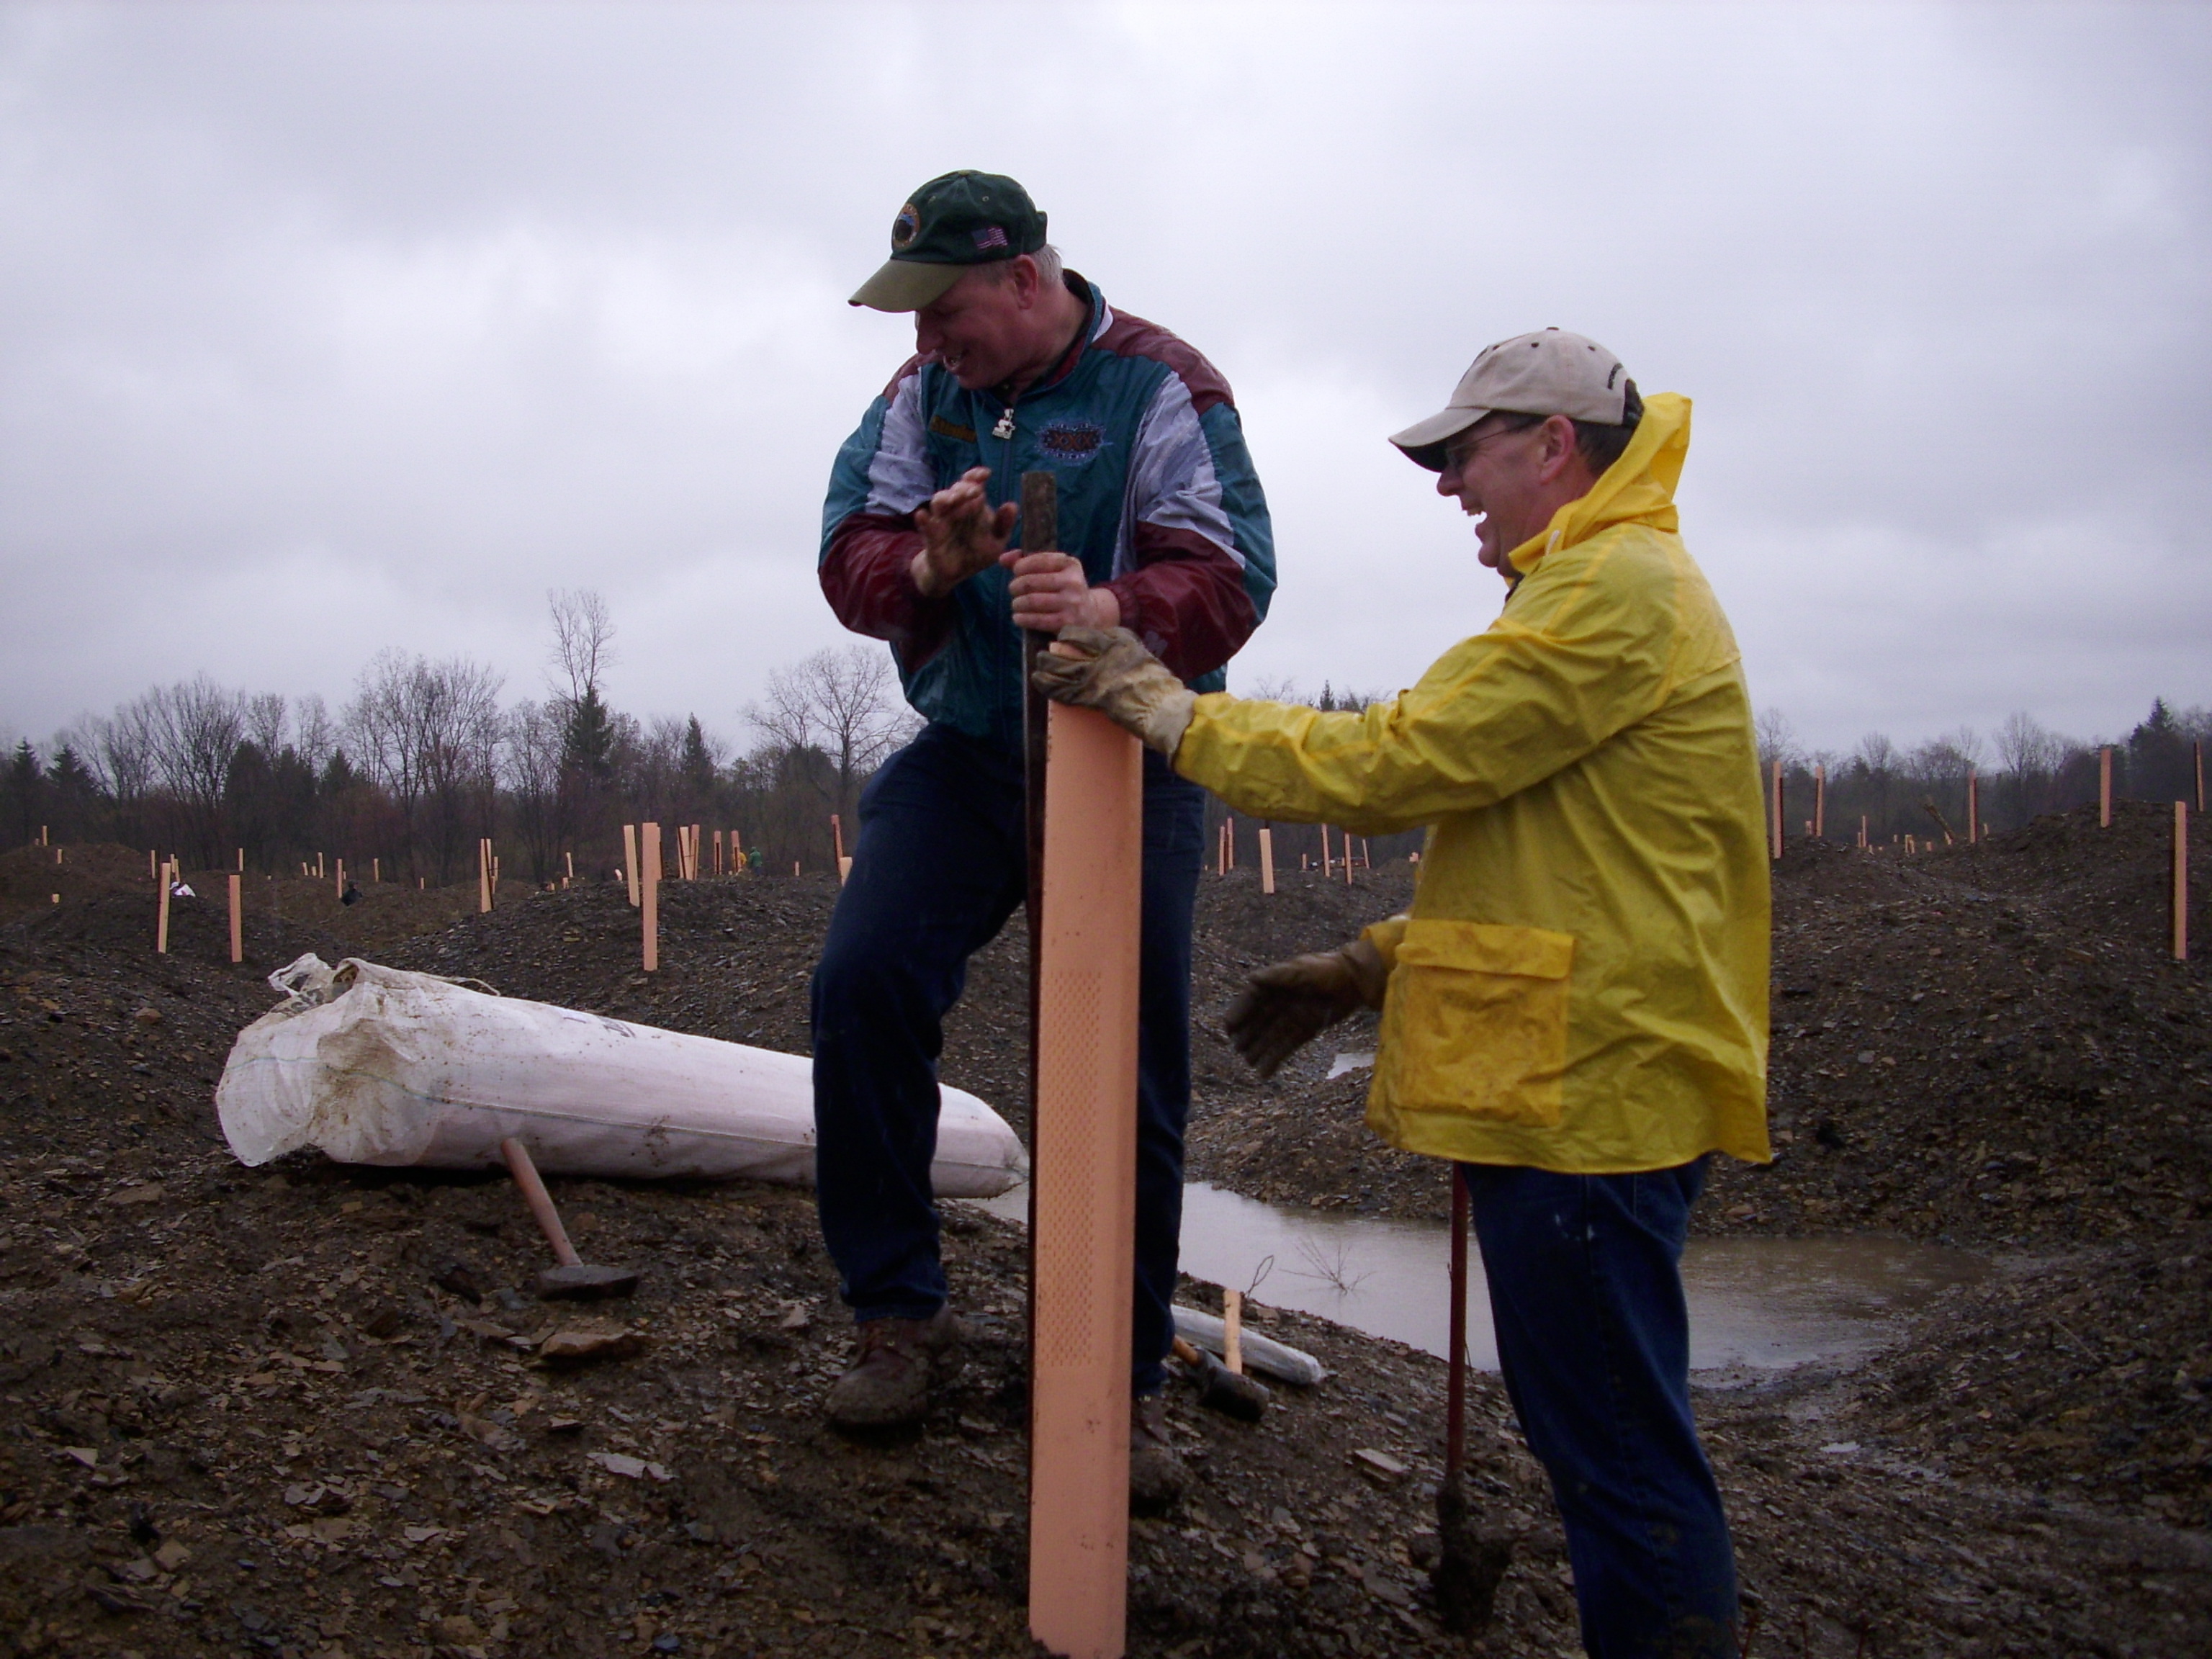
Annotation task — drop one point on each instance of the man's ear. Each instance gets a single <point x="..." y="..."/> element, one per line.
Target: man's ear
<point x="1024" y="274"/>
<point x="1559" y="450"/>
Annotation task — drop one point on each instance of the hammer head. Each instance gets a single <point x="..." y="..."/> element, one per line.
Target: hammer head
<point x="1223" y="1390"/>
<point x="586" y="1283"/>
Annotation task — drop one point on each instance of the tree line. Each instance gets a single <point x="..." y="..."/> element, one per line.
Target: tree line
<point x="2021" y="771"/>
<point x="424" y="759"/>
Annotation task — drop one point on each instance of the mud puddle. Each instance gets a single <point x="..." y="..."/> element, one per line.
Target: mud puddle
<point x="1756" y="1304"/>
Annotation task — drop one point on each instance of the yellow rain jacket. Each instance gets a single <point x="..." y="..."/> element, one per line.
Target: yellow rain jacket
<point x="1581" y="983"/>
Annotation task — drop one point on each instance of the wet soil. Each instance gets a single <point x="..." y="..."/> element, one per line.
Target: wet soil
<point x="311" y="1409"/>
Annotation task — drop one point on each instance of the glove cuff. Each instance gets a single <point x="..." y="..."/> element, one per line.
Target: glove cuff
<point x="1167" y="720"/>
<point x="1370" y="975"/>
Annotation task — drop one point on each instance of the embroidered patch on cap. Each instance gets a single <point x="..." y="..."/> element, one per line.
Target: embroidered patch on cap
<point x="990" y="236"/>
<point x="1071" y="441"/>
<point x="906" y="226"/>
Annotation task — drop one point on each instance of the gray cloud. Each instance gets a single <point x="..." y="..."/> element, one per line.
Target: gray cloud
<point x="323" y="328"/>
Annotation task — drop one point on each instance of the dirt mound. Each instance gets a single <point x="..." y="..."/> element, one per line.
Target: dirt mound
<point x="30" y="877"/>
<point x="2090" y="1377"/>
<point x="307" y="1409"/>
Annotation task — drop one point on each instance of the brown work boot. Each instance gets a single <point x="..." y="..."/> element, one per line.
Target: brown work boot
<point x="900" y="1361"/>
<point x="1158" y="1478"/>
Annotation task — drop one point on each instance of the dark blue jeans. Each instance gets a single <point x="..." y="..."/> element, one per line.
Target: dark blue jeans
<point x="941" y="863"/>
<point x="1594" y="1338"/>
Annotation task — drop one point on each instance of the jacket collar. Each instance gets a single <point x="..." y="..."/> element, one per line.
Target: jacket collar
<point x="1637" y="488"/>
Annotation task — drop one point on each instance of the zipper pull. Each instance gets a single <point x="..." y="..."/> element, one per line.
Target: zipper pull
<point x="1005" y="429"/>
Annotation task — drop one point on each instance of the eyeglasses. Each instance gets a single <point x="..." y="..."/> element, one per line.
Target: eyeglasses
<point x="1456" y="455"/>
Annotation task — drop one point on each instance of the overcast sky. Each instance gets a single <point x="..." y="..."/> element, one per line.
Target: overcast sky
<point x="327" y="328"/>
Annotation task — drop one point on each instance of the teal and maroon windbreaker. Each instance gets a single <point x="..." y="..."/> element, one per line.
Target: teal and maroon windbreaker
<point x="1158" y="498"/>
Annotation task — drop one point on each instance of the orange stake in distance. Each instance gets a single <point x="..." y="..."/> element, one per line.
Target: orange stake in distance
<point x="161" y="916"/>
<point x="2181" y="881"/>
<point x="1267" y="860"/>
<point x="2104" y="788"/>
<point x="237" y="922"/>
<point x="1775" y="818"/>
<point x="649" y="894"/>
<point x="629" y="861"/>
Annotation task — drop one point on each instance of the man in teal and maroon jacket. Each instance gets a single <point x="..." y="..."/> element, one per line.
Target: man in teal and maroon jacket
<point x="1019" y="366"/>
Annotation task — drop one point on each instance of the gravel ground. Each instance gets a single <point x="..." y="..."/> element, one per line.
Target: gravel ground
<point x="313" y="1410"/>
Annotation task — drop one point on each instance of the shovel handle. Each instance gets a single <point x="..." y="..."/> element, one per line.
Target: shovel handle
<point x="540" y="1202"/>
<point x="1455" y="1394"/>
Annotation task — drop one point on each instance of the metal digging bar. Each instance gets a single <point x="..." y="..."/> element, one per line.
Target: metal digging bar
<point x="1468" y="1568"/>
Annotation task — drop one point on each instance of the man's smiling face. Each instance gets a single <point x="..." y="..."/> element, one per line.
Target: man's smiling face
<point x="1490" y="470"/>
<point x="976" y="329"/>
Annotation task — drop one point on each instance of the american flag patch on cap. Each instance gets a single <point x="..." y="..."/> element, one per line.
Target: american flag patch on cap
<point x="989" y="236"/>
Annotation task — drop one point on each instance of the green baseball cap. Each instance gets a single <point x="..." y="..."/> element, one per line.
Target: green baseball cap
<point x="954" y="221"/>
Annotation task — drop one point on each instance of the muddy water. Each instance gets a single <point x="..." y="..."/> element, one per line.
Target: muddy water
<point x="1756" y="1304"/>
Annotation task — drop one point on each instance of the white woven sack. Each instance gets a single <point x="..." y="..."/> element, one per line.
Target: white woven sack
<point x="373" y="1064"/>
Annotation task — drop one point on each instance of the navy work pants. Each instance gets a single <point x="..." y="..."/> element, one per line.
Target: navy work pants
<point x="1593" y="1338"/>
<point x="941" y="864"/>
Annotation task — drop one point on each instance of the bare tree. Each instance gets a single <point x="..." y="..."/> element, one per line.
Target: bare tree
<point x="1777" y="739"/>
<point x="429" y="734"/>
<point x="531" y="765"/>
<point x="583" y="641"/>
<point x="264" y="724"/>
<point x="2029" y="753"/>
<point x="197" y="726"/>
<point x="844" y="703"/>
<point x="314" y="734"/>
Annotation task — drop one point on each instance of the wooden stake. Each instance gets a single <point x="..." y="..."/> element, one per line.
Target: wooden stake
<point x="237" y="922"/>
<point x="1267" y="860"/>
<point x="2181" y="881"/>
<point x="1974" y="808"/>
<point x="570" y="861"/>
<point x="161" y="918"/>
<point x="2104" y="788"/>
<point x="1820" y="802"/>
<point x="1775" y="816"/>
<point x="629" y="861"/>
<point x="2199" y="748"/>
<point x="649" y="895"/>
<point x="1345" y="837"/>
<point x="483" y="876"/>
<point x="837" y="834"/>
<point x="153" y="869"/>
<point x="1084" y="1186"/>
<point x="1862" y="832"/>
<point x="718" y="851"/>
<point x="340" y="887"/>
<point x="1325" y="865"/>
<point x="1232" y="1331"/>
<point x="376" y="872"/>
<point x="241" y="857"/>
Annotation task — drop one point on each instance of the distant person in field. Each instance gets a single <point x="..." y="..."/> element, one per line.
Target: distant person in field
<point x="1574" y="1011"/>
<point x="1020" y="366"/>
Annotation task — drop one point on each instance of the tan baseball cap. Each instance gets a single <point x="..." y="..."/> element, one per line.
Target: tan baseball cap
<point x="1547" y="373"/>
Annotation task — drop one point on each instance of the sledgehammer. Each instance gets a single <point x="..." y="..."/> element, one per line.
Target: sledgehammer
<point x="1220" y="1389"/>
<point x="575" y="1278"/>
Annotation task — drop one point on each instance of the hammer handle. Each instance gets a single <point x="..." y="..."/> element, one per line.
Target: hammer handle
<point x="540" y="1202"/>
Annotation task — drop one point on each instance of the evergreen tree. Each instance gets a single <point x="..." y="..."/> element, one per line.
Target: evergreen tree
<point x="26" y="782"/>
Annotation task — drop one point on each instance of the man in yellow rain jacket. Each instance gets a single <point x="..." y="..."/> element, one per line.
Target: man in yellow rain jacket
<point x="1574" y="1010"/>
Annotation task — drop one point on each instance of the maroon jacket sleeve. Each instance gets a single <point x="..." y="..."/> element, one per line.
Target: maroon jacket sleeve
<point x="1185" y="600"/>
<point x="868" y="579"/>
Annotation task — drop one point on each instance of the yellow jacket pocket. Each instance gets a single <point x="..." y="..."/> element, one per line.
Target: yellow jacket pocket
<point x="1475" y="1021"/>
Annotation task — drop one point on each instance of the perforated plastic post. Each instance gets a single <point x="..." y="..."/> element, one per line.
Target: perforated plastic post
<point x="1085" y="1171"/>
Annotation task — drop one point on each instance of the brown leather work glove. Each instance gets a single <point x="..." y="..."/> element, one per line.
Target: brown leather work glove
<point x="1284" y="1007"/>
<point x="1108" y="670"/>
